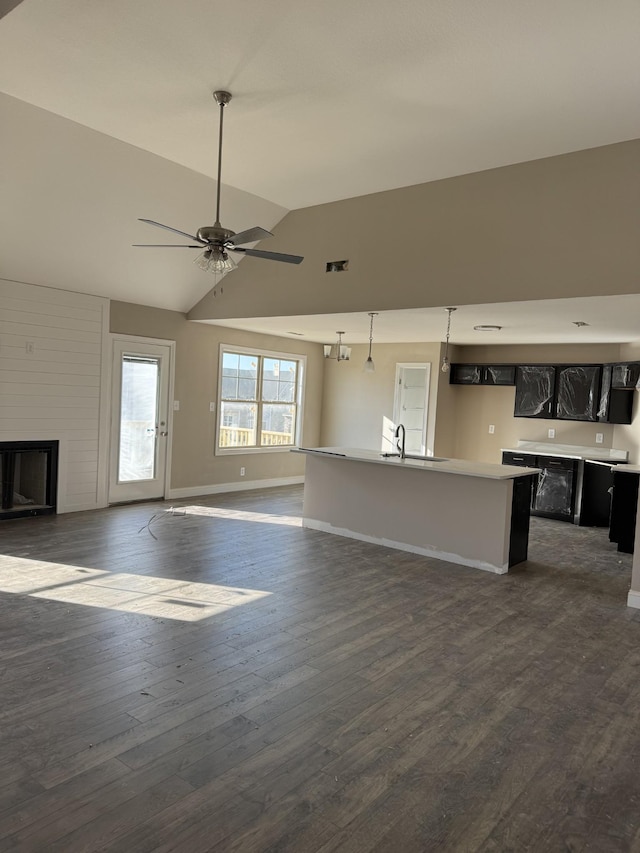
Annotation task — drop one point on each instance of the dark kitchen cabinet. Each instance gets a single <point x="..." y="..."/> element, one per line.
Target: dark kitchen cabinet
<point x="499" y="374"/>
<point x="616" y="405"/>
<point x="535" y="387"/>
<point x="624" y="509"/>
<point x="625" y="376"/>
<point x="465" y="374"/>
<point x="555" y="487"/>
<point x="577" y="392"/>
<point x="482" y="374"/>
<point x="555" y="495"/>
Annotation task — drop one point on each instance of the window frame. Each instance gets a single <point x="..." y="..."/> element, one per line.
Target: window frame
<point x="298" y="402"/>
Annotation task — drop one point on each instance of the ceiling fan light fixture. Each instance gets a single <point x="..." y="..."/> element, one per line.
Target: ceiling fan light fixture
<point x="216" y="261"/>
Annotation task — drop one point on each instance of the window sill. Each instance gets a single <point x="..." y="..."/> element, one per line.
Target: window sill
<point x="245" y="451"/>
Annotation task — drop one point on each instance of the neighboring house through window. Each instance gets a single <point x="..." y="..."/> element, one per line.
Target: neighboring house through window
<point x="259" y="400"/>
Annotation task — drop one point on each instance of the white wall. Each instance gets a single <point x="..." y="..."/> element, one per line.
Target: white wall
<point x="53" y="381"/>
<point x="357" y="405"/>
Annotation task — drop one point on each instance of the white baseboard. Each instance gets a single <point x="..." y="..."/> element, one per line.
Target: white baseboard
<point x="313" y="524"/>
<point x="220" y="488"/>
<point x="633" y="599"/>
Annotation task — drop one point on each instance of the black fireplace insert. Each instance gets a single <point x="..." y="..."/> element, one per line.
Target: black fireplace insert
<point x="29" y="474"/>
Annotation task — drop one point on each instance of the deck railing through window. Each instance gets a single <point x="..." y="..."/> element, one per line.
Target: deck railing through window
<point x="243" y="437"/>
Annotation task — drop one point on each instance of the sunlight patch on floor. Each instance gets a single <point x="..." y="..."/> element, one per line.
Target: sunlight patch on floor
<point x="241" y="515"/>
<point x="160" y="597"/>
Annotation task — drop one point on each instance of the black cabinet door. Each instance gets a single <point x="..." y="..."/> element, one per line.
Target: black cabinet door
<point x="624" y="509"/>
<point x="555" y="495"/>
<point x="499" y="374"/>
<point x="616" y="405"/>
<point x="626" y="376"/>
<point x="465" y="374"/>
<point x="578" y="392"/>
<point x="535" y="385"/>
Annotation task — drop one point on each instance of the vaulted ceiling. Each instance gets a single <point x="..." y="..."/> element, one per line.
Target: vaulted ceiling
<point x="330" y="100"/>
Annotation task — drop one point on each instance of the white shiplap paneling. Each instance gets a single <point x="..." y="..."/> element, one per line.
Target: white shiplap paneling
<point x="53" y="380"/>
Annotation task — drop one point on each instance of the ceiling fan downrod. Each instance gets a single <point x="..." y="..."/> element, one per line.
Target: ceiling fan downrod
<point x="221" y="98"/>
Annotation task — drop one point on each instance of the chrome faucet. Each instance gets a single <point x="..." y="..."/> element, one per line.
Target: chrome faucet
<point x="400" y="443"/>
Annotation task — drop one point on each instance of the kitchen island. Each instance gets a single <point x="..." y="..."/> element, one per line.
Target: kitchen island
<point x="471" y="513"/>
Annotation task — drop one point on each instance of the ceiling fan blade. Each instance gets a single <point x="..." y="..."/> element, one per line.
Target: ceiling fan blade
<point x="165" y="246"/>
<point x="251" y="235"/>
<point x="175" y="230"/>
<point x="269" y="256"/>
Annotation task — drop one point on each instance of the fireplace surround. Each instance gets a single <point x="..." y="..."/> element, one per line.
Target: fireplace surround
<point x="29" y="475"/>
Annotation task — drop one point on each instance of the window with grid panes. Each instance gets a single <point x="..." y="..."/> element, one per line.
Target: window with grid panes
<point x="259" y="400"/>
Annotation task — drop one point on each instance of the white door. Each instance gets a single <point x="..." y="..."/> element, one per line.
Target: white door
<point x="140" y="420"/>
<point x="411" y="404"/>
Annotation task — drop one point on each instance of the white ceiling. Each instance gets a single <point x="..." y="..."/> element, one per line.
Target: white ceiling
<point x="330" y="100"/>
<point x="612" y="319"/>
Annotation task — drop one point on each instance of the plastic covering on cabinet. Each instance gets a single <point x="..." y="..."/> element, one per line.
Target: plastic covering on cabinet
<point x="535" y="391"/>
<point x="577" y="389"/>
<point x="554" y="492"/>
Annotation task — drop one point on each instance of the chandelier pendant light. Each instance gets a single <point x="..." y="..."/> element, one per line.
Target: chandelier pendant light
<point x="337" y="351"/>
<point x="446" y="366"/>
<point x="369" y="366"/>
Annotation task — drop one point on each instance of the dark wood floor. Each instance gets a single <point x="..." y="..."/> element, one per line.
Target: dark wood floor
<point x="219" y="679"/>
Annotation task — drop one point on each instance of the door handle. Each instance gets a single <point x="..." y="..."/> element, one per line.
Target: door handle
<point x="164" y="433"/>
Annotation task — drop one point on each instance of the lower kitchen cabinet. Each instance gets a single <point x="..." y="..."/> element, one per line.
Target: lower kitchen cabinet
<point x="568" y="489"/>
<point x="624" y="509"/>
<point x="555" y="495"/>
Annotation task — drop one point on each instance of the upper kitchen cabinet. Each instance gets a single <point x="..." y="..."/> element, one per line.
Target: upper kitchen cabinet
<point x="535" y="387"/>
<point x="498" y="374"/>
<point x="616" y="404"/>
<point x="578" y="392"/>
<point x="626" y="376"/>
<point x="465" y="374"/>
<point x="482" y="374"/>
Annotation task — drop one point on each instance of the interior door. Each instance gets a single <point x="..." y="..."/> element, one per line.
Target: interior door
<point x="411" y="404"/>
<point x="140" y="422"/>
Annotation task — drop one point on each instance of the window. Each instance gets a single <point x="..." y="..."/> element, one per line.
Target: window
<point x="258" y="400"/>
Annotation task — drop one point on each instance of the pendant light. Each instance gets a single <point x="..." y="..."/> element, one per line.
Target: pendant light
<point x="369" y="366"/>
<point x="338" y="351"/>
<point x="445" y="361"/>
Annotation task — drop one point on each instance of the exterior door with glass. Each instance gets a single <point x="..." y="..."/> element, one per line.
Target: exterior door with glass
<point x="140" y="422"/>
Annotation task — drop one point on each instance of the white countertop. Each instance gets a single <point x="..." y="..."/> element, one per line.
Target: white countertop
<point x="626" y="469"/>
<point x="569" y="451"/>
<point x="448" y="466"/>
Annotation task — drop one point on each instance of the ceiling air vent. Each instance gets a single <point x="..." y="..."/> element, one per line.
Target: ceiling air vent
<point x="337" y="266"/>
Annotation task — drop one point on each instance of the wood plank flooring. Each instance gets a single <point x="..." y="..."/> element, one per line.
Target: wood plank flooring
<point x="209" y="676"/>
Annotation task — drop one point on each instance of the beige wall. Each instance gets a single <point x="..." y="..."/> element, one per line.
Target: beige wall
<point x="478" y="407"/>
<point x="356" y="406"/>
<point x="197" y="351"/>
<point x="558" y="227"/>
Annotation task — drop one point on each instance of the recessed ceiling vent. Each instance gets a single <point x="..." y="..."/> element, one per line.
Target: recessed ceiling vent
<point x="337" y="266"/>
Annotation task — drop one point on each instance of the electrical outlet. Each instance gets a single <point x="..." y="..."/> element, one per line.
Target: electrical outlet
<point x="599" y="437"/>
<point x="30" y="347"/>
<point x="176" y="405"/>
<point x="551" y="433"/>
<point x="492" y="429"/>
<point x="242" y="472"/>
<point x="212" y="407"/>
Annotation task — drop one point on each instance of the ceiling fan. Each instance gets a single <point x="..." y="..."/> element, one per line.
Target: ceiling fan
<point x="215" y="240"/>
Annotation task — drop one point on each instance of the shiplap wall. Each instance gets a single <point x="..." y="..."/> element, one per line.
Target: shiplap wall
<point x="54" y="382"/>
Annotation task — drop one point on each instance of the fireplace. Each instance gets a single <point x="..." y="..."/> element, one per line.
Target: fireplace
<point x="29" y="475"/>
